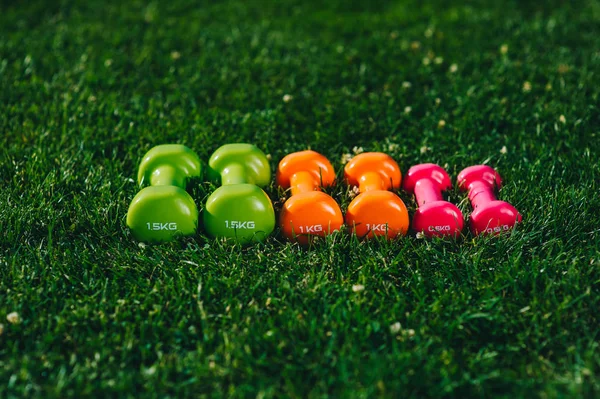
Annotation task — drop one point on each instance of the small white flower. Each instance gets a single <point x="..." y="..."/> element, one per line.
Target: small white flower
<point x="438" y="60"/>
<point x="13" y="318"/>
<point x="175" y="55"/>
<point x="453" y="68"/>
<point x="407" y="110"/>
<point x="504" y="49"/>
<point x="503" y="150"/>
<point x="441" y="123"/>
<point x="420" y="235"/>
<point x="527" y="87"/>
<point x="346" y="158"/>
<point x="415" y="45"/>
<point x="424" y="149"/>
<point x="357" y="150"/>
<point x="354" y="191"/>
<point x="358" y="287"/>
<point x="426" y="61"/>
<point x="287" y="98"/>
<point x="395" y="328"/>
<point x="562" y="119"/>
<point x="393" y="147"/>
<point x="406" y="85"/>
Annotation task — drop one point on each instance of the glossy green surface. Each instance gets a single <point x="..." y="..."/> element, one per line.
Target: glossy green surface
<point x="241" y="211"/>
<point x="160" y="213"/>
<point x="239" y="163"/>
<point x="168" y="165"/>
<point x="164" y="210"/>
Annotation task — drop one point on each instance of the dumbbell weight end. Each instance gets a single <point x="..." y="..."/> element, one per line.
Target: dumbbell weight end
<point x="162" y="212"/>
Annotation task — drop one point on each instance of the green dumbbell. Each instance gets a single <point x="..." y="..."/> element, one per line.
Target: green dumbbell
<point x="164" y="210"/>
<point x="239" y="209"/>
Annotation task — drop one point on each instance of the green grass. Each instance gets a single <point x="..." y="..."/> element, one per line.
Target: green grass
<point x="86" y="88"/>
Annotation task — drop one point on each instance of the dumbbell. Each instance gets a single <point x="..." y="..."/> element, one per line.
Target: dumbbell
<point x="164" y="209"/>
<point x="308" y="212"/>
<point x="489" y="215"/>
<point x="239" y="209"/>
<point x="375" y="211"/>
<point x="434" y="216"/>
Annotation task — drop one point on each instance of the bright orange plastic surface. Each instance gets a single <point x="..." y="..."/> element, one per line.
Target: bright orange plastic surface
<point x="308" y="161"/>
<point x="375" y="211"/>
<point x="308" y="212"/>
<point x="373" y="170"/>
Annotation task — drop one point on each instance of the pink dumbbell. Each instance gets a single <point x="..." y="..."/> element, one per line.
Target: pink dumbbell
<point x="434" y="217"/>
<point x="489" y="215"/>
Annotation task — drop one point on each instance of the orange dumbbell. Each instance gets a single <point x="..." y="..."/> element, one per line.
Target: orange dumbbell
<point x="308" y="211"/>
<point x="375" y="211"/>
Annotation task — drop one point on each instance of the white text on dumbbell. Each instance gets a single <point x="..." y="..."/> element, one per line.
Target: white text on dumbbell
<point x="497" y="229"/>
<point x="161" y="226"/>
<point x="236" y="224"/>
<point x="377" y="227"/>
<point x="315" y="228"/>
<point x="439" y="228"/>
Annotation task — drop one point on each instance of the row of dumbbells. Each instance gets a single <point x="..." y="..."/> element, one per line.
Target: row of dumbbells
<point x="242" y="211"/>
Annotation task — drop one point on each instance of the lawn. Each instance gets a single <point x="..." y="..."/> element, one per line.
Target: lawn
<point x="87" y="87"/>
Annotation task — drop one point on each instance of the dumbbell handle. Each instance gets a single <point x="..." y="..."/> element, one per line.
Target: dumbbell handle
<point x="303" y="182"/>
<point x="426" y="191"/>
<point x="480" y="194"/>
<point x="370" y="181"/>
<point x="233" y="174"/>
<point x="167" y="175"/>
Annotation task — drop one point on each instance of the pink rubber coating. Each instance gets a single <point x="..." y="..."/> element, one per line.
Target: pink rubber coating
<point x="481" y="174"/>
<point x="434" y="217"/>
<point x="490" y="216"/>
<point x="426" y="191"/>
<point x="429" y="171"/>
